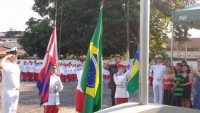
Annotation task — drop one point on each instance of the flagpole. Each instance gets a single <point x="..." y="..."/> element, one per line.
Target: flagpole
<point x="102" y="3"/>
<point x="56" y="4"/>
<point x="55" y="11"/>
<point x="60" y="27"/>
<point x="144" y="51"/>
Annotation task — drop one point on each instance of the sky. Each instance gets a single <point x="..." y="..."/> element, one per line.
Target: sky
<point x="15" y="13"/>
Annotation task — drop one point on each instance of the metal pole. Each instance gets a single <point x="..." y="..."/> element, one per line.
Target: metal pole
<point x="185" y="51"/>
<point x="128" y="42"/>
<point x="144" y="51"/>
<point x="172" y="44"/>
<point x="60" y="27"/>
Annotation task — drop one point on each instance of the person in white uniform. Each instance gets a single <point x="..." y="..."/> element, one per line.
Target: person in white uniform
<point x="55" y="85"/>
<point x="158" y="71"/>
<point x="11" y="81"/>
<point x="121" y="80"/>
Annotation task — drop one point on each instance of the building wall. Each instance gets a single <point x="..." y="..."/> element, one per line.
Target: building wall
<point x="181" y="54"/>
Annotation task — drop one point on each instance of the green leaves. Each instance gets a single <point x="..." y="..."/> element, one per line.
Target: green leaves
<point x="79" y="20"/>
<point x="36" y="36"/>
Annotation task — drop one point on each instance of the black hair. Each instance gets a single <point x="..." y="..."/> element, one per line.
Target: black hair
<point x="184" y="61"/>
<point x="188" y="71"/>
<point x="179" y="64"/>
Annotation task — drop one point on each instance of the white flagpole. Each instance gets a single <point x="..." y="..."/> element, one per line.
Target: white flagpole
<point x="172" y="44"/>
<point x="144" y="51"/>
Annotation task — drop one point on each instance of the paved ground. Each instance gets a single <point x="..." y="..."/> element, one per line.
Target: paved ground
<point x="29" y="99"/>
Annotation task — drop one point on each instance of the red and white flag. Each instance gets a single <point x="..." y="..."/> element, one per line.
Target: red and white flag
<point x="51" y="57"/>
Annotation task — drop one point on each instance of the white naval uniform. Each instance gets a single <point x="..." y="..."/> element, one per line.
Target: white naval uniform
<point x="158" y="89"/>
<point x="10" y="90"/>
<point x="121" y="81"/>
<point x="55" y="83"/>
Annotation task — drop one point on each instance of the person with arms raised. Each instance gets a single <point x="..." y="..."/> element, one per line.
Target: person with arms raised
<point x="113" y="69"/>
<point x="158" y="73"/>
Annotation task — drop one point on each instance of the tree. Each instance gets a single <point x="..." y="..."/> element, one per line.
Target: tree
<point x="36" y="36"/>
<point x="79" y="19"/>
<point x="79" y="22"/>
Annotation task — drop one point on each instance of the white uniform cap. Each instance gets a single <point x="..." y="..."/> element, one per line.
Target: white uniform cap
<point x="12" y="50"/>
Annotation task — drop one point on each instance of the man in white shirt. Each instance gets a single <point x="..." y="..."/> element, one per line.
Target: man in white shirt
<point x="158" y="73"/>
<point x="11" y="82"/>
<point x="55" y="85"/>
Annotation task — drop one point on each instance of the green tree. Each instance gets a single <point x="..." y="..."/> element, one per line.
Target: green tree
<point x="36" y="36"/>
<point x="79" y="18"/>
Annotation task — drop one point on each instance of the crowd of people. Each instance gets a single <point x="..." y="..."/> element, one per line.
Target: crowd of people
<point x="67" y="71"/>
<point x="171" y="84"/>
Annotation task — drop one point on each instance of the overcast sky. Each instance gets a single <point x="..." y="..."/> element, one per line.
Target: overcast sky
<point x="15" y="13"/>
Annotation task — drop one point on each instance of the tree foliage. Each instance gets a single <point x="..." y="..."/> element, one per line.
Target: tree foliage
<point x="36" y="36"/>
<point x="78" y="20"/>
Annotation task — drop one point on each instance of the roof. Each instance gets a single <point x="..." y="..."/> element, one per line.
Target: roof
<point x="192" y="43"/>
<point x="189" y="16"/>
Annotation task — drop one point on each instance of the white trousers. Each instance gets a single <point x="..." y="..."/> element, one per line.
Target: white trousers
<point x="158" y="91"/>
<point x="10" y="98"/>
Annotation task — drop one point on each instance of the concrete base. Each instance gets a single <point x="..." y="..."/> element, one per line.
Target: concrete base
<point x="132" y="107"/>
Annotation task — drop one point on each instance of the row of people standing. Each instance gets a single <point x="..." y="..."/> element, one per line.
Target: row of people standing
<point x="11" y="84"/>
<point x="30" y="70"/>
<point x="172" y="85"/>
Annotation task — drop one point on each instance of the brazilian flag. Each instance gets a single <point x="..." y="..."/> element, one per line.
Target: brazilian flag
<point x="91" y="81"/>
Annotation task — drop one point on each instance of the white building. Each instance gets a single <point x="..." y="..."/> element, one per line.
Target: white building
<point x="189" y="50"/>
